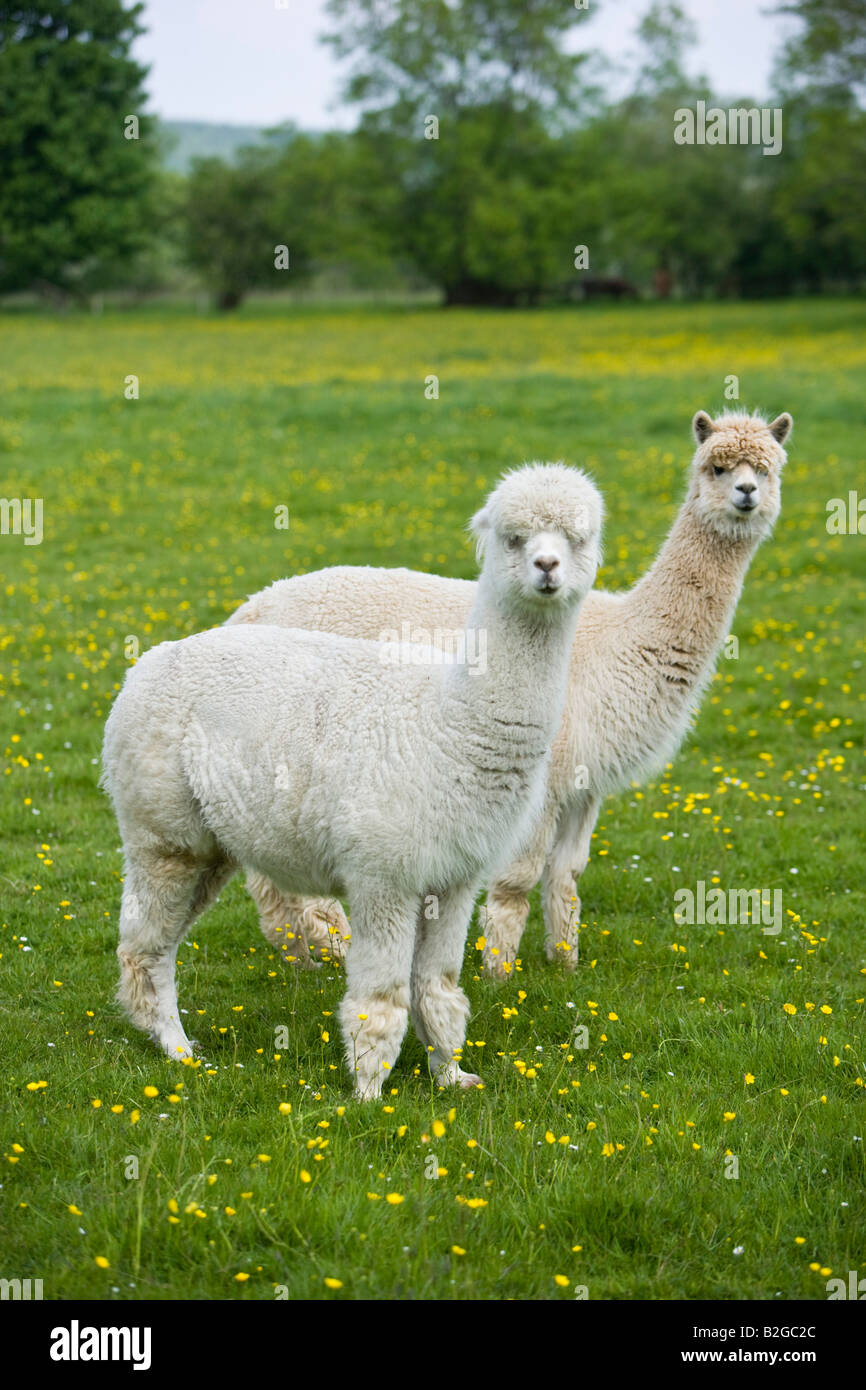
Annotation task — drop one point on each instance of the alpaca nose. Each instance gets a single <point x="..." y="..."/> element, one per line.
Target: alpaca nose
<point x="547" y="563"/>
<point x="746" y="488"/>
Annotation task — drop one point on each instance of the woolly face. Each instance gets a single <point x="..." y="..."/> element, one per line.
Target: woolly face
<point x="738" y="466"/>
<point x="539" y="534"/>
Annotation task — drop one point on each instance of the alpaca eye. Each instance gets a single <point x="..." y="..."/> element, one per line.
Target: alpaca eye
<point x="717" y="470"/>
<point x="514" y="542"/>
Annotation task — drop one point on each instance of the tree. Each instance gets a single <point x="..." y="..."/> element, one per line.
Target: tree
<point x="653" y="195"/>
<point x="76" y="150"/>
<point x="461" y="98"/>
<point x="820" y="202"/>
<point x="231" y="224"/>
<point x="487" y="212"/>
<point x="450" y="53"/>
<point x="829" y="54"/>
<point x="665" y="33"/>
<point x="821" y="199"/>
<point x="282" y="212"/>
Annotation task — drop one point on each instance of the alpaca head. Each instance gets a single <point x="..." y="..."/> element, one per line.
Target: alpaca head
<point x="539" y="535"/>
<point x="737" y="472"/>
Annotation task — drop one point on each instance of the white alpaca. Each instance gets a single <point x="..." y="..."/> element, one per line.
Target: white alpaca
<point x="334" y="765"/>
<point x="640" y="662"/>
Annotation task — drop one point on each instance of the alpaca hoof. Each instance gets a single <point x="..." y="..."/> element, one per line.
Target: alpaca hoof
<point x="299" y="960"/>
<point x="452" y="1075"/>
<point x="336" y="947"/>
<point x="371" y="1092"/>
<point x="327" y="936"/>
<point x="564" y="954"/>
<point x="496" y="967"/>
<point x="329" y="956"/>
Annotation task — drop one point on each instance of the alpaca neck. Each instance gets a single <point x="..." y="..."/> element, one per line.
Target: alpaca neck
<point x="521" y="676"/>
<point x="683" y="606"/>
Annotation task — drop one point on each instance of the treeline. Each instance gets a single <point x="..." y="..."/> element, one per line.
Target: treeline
<point x="501" y="210"/>
<point x="486" y="165"/>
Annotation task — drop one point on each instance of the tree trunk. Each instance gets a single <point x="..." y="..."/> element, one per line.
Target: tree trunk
<point x="479" y="293"/>
<point x="229" y="299"/>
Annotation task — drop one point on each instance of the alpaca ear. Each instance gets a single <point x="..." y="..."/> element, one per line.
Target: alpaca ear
<point x="479" y="527"/>
<point x="702" y="426"/>
<point x="781" y="427"/>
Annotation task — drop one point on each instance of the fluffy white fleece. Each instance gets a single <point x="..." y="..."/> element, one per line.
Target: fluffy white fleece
<point x="640" y="662"/>
<point x="331" y="765"/>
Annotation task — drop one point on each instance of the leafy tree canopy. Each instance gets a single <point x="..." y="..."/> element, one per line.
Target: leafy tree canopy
<point x="450" y="53"/>
<point x="74" y="196"/>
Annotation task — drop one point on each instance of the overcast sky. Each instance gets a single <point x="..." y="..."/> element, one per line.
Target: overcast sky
<point x="248" y="62"/>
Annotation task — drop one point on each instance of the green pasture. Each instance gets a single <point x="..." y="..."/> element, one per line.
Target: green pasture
<point x="253" y="1174"/>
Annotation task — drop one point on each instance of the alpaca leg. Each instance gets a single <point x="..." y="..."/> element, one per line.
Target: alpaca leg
<point x="439" y="1007"/>
<point x="506" y="909"/>
<point x="375" y="1007"/>
<point x="323" y="926"/>
<point x="504" y="915"/>
<point x="300" y="927"/>
<point x="163" y="893"/>
<point x="567" y="861"/>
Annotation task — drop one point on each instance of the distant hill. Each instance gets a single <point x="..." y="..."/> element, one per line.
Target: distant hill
<point x="187" y="140"/>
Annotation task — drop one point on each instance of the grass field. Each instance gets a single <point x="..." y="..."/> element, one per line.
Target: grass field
<point x="127" y="1176"/>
